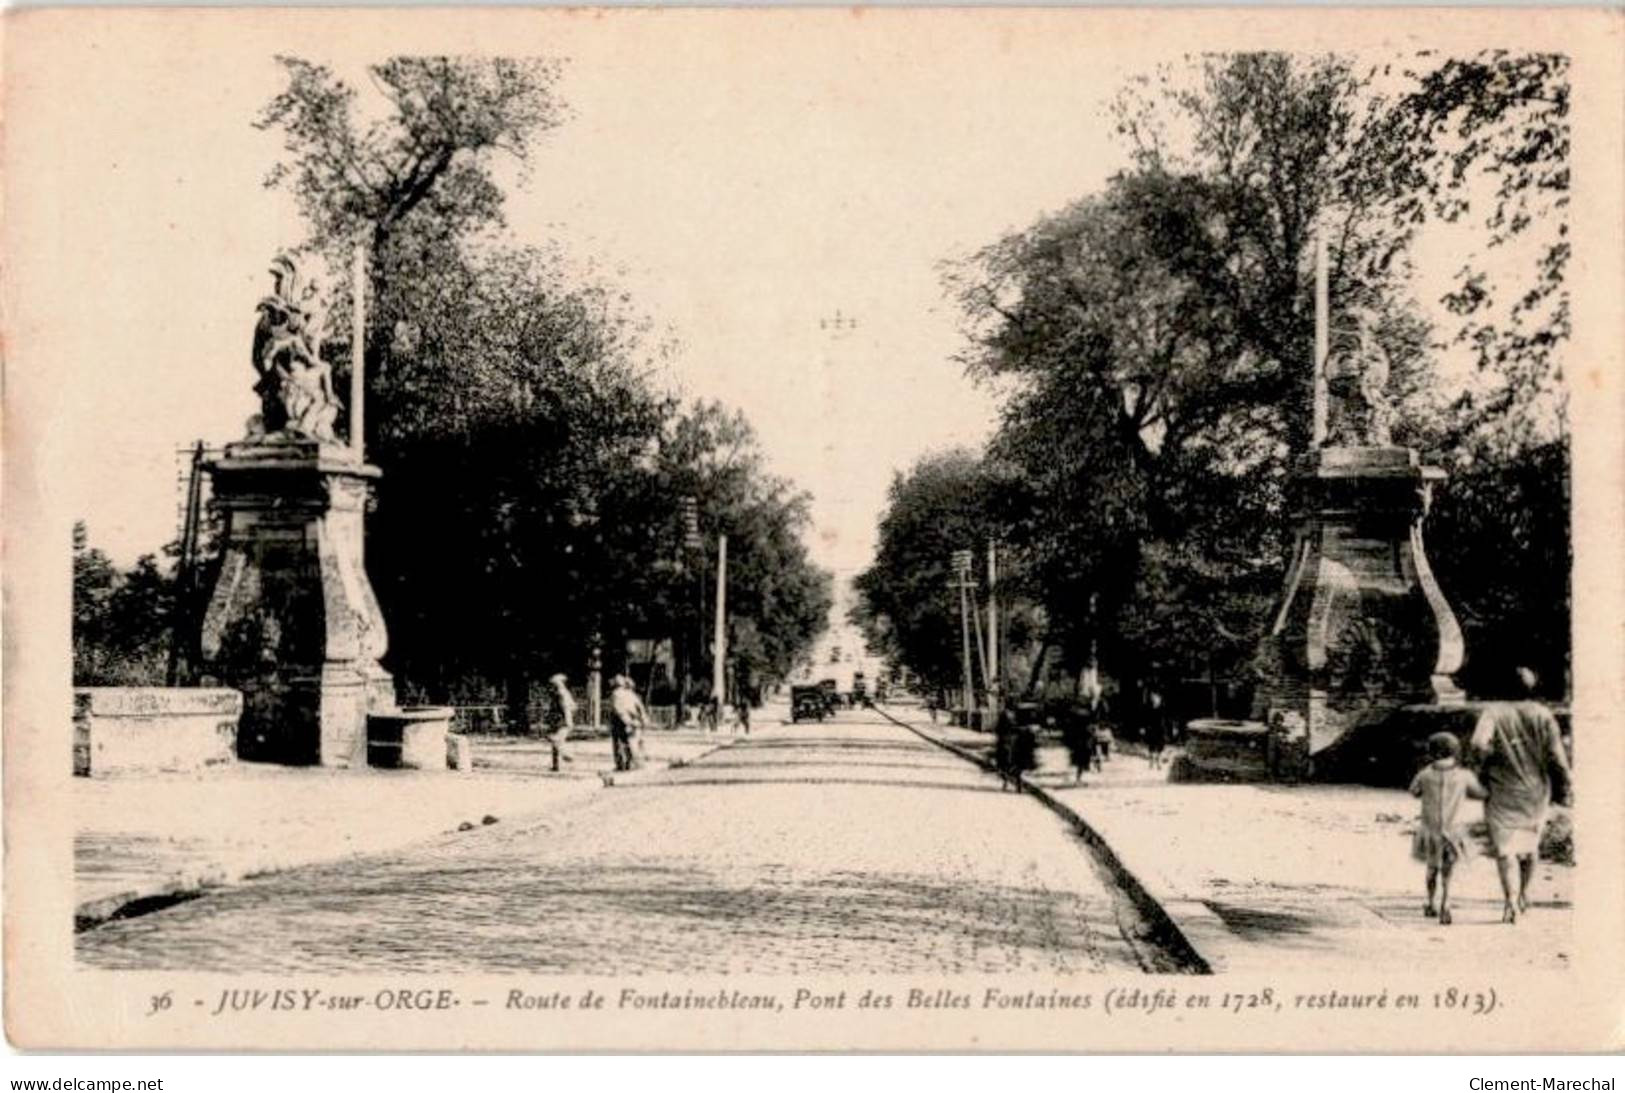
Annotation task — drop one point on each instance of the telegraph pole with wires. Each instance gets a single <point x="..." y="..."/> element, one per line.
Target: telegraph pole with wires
<point x="690" y="554"/>
<point x="963" y="583"/>
<point x="719" y="642"/>
<point x="183" y="624"/>
<point x="995" y="686"/>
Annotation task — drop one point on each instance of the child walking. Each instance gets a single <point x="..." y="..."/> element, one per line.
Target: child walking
<point x="1441" y="838"/>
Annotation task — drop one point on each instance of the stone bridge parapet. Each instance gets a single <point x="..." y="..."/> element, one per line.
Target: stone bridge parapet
<point x="141" y="730"/>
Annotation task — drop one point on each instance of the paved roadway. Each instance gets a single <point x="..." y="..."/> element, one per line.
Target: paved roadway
<point x="850" y="846"/>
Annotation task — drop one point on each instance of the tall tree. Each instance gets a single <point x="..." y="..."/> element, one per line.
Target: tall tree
<point x="905" y="607"/>
<point x="778" y="601"/>
<point x="503" y="395"/>
<point x="426" y="162"/>
<point x="121" y="620"/>
<point x="531" y="470"/>
<point x="1154" y="339"/>
<point x="1239" y="159"/>
<point x="1484" y="144"/>
<point x="1147" y="443"/>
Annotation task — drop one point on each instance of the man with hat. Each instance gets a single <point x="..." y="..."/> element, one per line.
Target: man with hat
<point x="560" y="717"/>
<point x="626" y="718"/>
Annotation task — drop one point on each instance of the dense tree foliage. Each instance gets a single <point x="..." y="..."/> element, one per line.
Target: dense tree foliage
<point x="1153" y="341"/>
<point x="906" y="609"/>
<point x="1487" y="140"/>
<point x="121" y="619"/>
<point x="532" y="471"/>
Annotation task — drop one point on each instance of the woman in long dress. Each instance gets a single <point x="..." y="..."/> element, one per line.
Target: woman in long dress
<point x="1523" y="763"/>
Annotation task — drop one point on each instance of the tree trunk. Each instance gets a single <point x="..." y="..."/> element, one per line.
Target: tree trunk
<point x="679" y="671"/>
<point x="1037" y="672"/>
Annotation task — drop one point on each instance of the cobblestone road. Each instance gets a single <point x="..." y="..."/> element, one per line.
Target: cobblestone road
<point x="850" y="846"/>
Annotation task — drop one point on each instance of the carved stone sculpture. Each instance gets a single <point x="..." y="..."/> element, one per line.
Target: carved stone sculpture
<point x="292" y="622"/>
<point x="295" y="385"/>
<point x="1359" y="412"/>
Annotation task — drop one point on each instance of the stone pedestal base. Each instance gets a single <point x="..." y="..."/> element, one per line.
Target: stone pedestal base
<point x="293" y="622"/>
<point x="1362" y="628"/>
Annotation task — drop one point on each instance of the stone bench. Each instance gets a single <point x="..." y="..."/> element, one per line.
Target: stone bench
<point x="144" y="730"/>
<point x="411" y="738"/>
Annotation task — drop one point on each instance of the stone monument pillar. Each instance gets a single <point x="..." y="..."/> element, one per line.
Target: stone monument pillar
<point x="292" y="621"/>
<point x="1362" y="628"/>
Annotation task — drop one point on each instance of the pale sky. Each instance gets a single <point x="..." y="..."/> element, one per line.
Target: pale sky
<point x="741" y="175"/>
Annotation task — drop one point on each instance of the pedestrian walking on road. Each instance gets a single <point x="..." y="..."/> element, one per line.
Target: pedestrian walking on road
<point x="560" y="717"/>
<point x="627" y="720"/>
<point x="1524" y="769"/>
<point x="1097" y="716"/>
<point x="1079" y="737"/>
<point x="1441" y="834"/>
<point x="1157" y="728"/>
<point x="1015" y="750"/>
<point x="743" y="710"/>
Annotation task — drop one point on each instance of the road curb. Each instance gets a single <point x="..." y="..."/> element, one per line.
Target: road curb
<point x="1170" y="929"/>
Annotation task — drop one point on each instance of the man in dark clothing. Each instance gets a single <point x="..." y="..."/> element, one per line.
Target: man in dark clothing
<point x="1156" y="728"/>
<point x="1015" y="749"/>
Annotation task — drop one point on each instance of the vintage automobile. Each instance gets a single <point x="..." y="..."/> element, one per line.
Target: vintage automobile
<point x="807" y="704"/>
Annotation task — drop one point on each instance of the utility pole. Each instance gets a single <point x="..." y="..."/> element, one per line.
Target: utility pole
<point x="719" y="657"/>
<point x="186" y="570"/>
<point x="1091" y="671"/>
<point x="690" y="548"/>
<point x="358" y="352"/>
<point x="1322" y="336"/>
<point x="994" y="676"/>
<point x="962" y="583"/>
<point x="595" y="678"/>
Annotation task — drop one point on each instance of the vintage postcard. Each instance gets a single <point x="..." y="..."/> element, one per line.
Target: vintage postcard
<point x="844" y="530"/>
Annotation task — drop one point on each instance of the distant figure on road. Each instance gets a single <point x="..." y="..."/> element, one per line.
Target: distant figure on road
<point x="1524" y="768"/>
<point x="932" y="701"/>
<point x="1079" y="737"/>
<point x="1157" y="728"/>
<point x="1441" y="836"/>
<point x="560" y="717"/>
<point x="1097" y="718"/>
<point x="1015" y="750"/>
<point x="627" y="719"/>
<point x="743" y="710"/>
